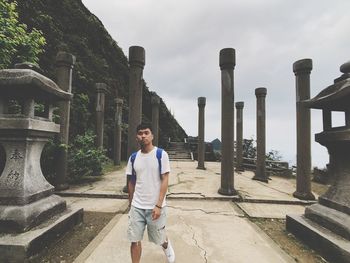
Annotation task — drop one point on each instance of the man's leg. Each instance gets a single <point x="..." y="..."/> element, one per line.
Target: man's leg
<point x="135" y="250"/>
<point x="165" y="244"/>
<point x="135" y="231"/>
<point x="168" y="250"/>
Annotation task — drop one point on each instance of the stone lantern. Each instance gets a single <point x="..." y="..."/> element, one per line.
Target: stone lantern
<point x="26" y="198"/>
<point x="326" y="225"/>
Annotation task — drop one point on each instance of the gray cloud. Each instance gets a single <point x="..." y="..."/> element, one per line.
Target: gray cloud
<point x="183" y="39"/>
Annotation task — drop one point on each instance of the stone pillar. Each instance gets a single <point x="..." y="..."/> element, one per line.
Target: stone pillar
<point x="239" y="136"/>
<point x="302" y="69"/>
<point x="101" y="89"/>
<point x="117" y="130"/>
<point x="327" y="120"/>
<point x="201" y="140"/>
<point x="227" y="64"/>
<point x="64" y="68"/>
<point x="155" y="101"/>
<point x="137" y="63"/>
<point x="260" y="173"/>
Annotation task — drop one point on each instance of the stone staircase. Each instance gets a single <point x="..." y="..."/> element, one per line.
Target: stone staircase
<point x="178" y="151"/>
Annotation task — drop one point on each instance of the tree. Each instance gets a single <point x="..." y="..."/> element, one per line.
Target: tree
<point x="249" y="151"/>
<point x="17" y="43"/>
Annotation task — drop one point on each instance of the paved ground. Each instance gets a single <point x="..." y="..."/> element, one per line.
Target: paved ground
<point x="203" y="225"/>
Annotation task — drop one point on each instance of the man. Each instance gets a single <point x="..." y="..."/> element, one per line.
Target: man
<point x="148" y="174"/>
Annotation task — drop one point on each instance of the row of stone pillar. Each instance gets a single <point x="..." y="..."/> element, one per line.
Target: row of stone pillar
<point x="65" y="63"/>
<point x="137" y="62"/>
<point x="302" y="69"/>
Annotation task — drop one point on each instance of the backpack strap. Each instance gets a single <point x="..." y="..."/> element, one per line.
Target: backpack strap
<point x="133" y="172"/>
<point x="159" y="157"/>
<point x="132" y="160"/>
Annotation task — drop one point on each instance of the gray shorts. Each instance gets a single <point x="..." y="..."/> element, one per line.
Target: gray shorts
<point x="139" y="218"/>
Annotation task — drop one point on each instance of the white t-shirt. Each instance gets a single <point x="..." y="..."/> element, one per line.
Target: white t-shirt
<point x="148" y="181"/>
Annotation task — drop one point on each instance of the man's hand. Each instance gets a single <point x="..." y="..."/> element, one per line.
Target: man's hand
<point x="155" y="213"/>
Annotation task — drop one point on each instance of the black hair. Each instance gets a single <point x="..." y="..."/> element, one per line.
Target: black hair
<point x="143" y="126"/>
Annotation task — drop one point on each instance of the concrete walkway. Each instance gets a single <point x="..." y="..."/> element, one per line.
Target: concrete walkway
<point x="202" y="225"/>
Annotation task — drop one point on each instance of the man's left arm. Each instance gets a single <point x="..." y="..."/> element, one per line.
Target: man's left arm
<point x="163" y="189"/>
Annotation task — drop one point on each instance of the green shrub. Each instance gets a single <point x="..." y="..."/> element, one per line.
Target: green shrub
<point x="84" y="159"/>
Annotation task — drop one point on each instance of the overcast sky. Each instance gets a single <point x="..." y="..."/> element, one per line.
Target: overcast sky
<point x="183" y="38"/>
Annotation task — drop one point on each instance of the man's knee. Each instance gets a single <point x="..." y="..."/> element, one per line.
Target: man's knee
<point x="135" y="244"/>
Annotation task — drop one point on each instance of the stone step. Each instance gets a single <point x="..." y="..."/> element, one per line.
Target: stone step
<point x="330" y="245"/>
<point x="329" y="218"/>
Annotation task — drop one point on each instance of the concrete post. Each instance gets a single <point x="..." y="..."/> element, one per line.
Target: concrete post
<point x="137" y="63"/>
<point x="118" y="130"/>
<point x="260" y="173"/>
<point x="201" y="140"/>
<point x="155" y="101"/>
<point x="302" y="69"/>
<point x="64" y="68"/>
<point x="239" y="136"/>
<point x="101" y="89"/>
<point x="227" y="64"/>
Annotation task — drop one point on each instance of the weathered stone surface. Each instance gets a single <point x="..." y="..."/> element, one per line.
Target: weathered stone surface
<point x="137" y="62"/>
<point x="25" y="196"/>
<point x="227" y="63"/>
<point x="24" y="83"/>
<point x="302" y="69"/>
<point x="201" y="141"/>
<point x="260" y="173"/>
<point x="117" y="130"/>
<point x="239" y="136"/>
<point x="330" y="218"/>
<point x="327" y="223"/>
<point x="136" y="83"/>
<point x="18" y="248"/>
<point x="27" y="203"/>
<point x="20" y="218"/>
<point x="64" y="70"/>
<point x="325" y="242"/>
<point x="155" y="101"/>
<point x="101" y="89"/>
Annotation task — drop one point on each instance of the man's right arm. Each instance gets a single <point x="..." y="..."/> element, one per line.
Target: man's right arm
<point x="131" y="189"/>
<point x="131" y="185"/>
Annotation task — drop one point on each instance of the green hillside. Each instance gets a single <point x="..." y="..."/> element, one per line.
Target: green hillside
<point x="69" y="26"/>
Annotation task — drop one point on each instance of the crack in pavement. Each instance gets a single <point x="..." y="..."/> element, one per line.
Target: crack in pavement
<point x="178" y="180"/>
<point x="186" y="193"/>
<point x="195" y="240"/>
<point x="201" y="210"/>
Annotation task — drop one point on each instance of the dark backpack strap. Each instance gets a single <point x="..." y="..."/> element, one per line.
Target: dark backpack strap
<point x="159" y="157"/>
<point x="133" y="172"/>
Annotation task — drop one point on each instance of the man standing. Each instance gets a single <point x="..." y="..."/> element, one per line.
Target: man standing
<point x="148" y="172"/>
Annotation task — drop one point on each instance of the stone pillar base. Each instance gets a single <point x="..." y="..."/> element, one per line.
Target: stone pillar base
<point x="61" y="187"/>
<point x="21" y="218"/>
<point x="17" y="248"/>
<point x="239" y="169"/>
<point x="260" y="178"/>
<point x="304" y="196"/>
<point x="227" y="191"/>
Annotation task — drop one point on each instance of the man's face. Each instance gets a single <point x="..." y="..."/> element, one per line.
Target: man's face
<point x="144" y="137"/>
